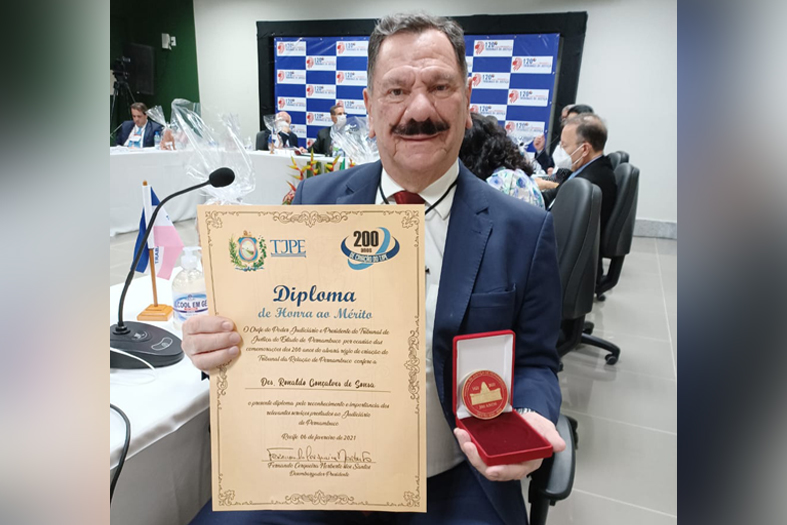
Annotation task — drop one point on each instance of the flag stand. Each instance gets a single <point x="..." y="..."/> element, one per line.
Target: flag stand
<point x="154" y="312"/>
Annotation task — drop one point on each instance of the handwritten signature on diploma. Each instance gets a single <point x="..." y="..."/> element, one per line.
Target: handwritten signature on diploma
<point x="299" y="454"/>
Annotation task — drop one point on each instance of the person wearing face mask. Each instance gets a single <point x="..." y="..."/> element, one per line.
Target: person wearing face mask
<point x="584" y="138"/>
<point x="558" y="162"/>
<point x="288" y="137"/>
<point x="323" y="143"/>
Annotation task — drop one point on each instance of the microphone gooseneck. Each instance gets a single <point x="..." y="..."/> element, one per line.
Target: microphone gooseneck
<point x="218" y="179"/>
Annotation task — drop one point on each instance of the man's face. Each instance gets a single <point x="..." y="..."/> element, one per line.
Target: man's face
<point x="337" y="112"/>
<point x="577" y="152"/>
<point x="418" y="106"/>
<point x="563" y="116"/>
<point x="139" y="118"/>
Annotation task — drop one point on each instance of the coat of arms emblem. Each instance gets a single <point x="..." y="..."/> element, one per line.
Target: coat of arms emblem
<point x="247" y="252"/>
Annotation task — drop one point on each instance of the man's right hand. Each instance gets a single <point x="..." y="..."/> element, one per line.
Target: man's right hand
<point x="539" y="143"/>
<point x="210" y="341"/>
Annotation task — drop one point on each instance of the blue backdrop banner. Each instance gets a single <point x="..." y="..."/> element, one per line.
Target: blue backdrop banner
<point x="513" y="79"/>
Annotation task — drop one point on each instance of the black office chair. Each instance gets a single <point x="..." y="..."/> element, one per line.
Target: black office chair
<point x="616" y="238"/>
<point x="261" y="142"/>
<point x="617" y="158"/>
<point x="576" y="214"/>
<point x="555" y="479"/>
<point x="615" y="245"/>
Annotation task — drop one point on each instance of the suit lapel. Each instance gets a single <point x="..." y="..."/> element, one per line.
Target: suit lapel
<point x="361" y="188"/>
<point x="468" y="233"/>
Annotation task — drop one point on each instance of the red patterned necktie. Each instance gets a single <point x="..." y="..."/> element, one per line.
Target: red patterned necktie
<point x="405" y="197"/>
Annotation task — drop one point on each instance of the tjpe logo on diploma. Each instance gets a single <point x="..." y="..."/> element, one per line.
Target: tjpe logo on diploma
<point x="248" y="252"/>
<point x="365" y="248"/>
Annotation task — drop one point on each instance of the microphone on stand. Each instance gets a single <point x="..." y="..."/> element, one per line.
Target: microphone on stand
<point x="150" y="343"/>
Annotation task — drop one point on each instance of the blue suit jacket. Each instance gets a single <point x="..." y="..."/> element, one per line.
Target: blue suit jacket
<point x="150" y="130"/>
<point x="499" y="272"/>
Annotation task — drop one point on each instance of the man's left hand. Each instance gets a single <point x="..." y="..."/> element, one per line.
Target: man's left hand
<point x="518" y="470"/>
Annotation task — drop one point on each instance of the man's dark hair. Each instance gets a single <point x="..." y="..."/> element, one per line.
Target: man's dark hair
<point x="580" y="109"/>
<point x="415" y="23"/>
<point x="139" y="106"/>
<point x="335" y="107"/>
<point x="590" y="129"/>
<point x="487" y="147"/>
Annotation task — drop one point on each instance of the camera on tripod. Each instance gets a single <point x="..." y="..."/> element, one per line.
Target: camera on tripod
<point x="118" y="67"/>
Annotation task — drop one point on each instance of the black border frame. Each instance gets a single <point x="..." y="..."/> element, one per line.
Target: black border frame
<point x="570" y="25"/>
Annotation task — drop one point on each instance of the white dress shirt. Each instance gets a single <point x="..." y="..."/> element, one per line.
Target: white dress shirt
<point x="136" y="139"/>
<point x="442" y="450"/>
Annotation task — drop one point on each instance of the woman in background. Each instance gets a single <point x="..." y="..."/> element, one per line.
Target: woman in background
<point x="488" y="152"/>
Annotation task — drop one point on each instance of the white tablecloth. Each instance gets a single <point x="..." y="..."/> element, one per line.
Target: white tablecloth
<point x="165" y="171"/>
<point x="166" y="477"/>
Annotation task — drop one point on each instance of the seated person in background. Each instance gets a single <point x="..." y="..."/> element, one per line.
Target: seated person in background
<point x="559" y="160"/>
<point x="138" y="132"/>
<point x="491" y="155"/>
<point x="288" y="138"/>
<point x="584" y="138"/>
<point x="323" y="143"/>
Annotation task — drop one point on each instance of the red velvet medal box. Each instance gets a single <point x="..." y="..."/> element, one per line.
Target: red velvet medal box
<point x="508" y="438"/>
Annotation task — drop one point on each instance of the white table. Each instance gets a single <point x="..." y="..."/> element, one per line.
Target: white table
<point x="166" y="477"/>
<point x="165" y="171"/>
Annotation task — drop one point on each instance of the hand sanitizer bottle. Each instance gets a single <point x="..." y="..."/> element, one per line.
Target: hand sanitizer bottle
<point x="188" y="289"/>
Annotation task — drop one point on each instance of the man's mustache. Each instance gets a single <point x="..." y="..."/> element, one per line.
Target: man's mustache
<point x="426" y="127"/>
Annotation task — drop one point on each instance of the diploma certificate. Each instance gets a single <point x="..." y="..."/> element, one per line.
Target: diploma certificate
<point x="324" y="408"/>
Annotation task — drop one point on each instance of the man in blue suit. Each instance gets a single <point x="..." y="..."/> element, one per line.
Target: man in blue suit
<point x="491" y="265"/>
<point x="140" y="131"/>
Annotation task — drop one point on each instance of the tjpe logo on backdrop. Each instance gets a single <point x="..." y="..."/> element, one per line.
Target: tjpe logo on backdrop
<point x="528" y="97"/>
<point x="532" y="65"/>
<point x="321" y="91"/>
<point x="491" y="80"/>
<point x="353" y="107"/>
<point x="491" y="110"/>
<point x="525" y="128"/>
<point x="493" y="48"/>
<point x="352" y="48"/>
<point x="291" y="76"/>
<point x="291" y="104"/>
<point x="296" y="48"/>
<point x="351" y="78"/>
<point x="320" y="63"/>
<point x="314" y="118"/>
